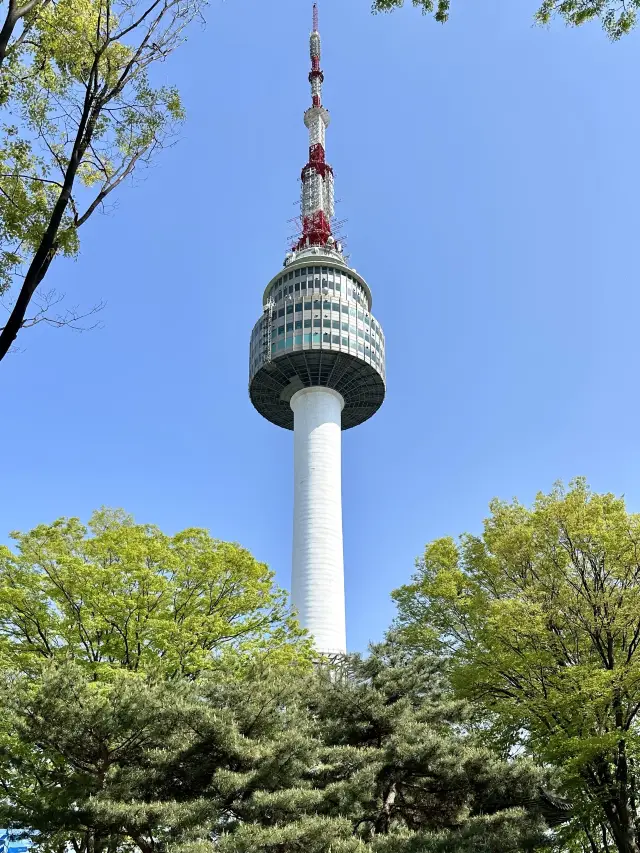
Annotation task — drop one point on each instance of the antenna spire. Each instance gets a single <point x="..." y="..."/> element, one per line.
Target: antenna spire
<point x="317" y="199"/>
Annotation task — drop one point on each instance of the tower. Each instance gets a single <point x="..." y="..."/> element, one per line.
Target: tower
<point x="317" y="366"/>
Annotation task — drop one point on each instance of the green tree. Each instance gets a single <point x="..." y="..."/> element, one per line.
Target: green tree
<point x="618" y="17"/>
<point x="119" y="595"/>
<point x="371" y="758"/>
<point x="79" y="115"/>
<point x="540" y="618"/>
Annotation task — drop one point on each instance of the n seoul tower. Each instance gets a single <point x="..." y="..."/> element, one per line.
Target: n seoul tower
<point x="317" y="366"/>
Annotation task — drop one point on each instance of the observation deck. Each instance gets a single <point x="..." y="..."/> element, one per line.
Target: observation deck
<point x="317" y="329"/>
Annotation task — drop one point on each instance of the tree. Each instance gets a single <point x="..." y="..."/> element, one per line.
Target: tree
<point x="367" y="759"/>
<point x="618" y="17"/>
<point x="119" y="595"/>
<point x="81" y="115"/>
<point x="540" y="618"/>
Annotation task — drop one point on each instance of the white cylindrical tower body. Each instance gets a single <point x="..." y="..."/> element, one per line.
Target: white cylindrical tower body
<point x="317" y="583"/>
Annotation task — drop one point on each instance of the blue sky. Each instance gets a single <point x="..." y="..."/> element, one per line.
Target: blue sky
<point x="488" y="172"/>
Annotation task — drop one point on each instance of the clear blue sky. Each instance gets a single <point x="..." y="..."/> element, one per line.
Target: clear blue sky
<point x="488" y="171"/>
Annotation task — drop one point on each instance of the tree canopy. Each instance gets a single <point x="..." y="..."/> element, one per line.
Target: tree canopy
<point x="120" y="595"/>
<point x="540" y="619"/>
<point x="373" y="757"/>
<point x="80" y="113"/>
<point x="617" y="17"/>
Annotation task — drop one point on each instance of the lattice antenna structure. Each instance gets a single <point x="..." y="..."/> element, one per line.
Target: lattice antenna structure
<point x="317" y="200"/>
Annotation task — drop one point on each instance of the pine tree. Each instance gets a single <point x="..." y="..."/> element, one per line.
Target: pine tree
<point x="373" y="757"/>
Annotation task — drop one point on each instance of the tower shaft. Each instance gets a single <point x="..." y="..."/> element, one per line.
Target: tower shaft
<point x="317" y="578"/>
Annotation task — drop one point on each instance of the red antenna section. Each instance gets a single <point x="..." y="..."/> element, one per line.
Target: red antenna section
<point x="317" y="200"/>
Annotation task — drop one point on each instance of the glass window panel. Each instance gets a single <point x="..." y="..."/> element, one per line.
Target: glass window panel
<point x="317" y="322"/>
<point x="307" y="324"/>
<point x="326" y="324"/>
<point x="289" y="327"/>
<point x="307" y="306"/>
<point x="335" y="339"/>
<point x="335" y="324"/>
<point x="297" y="339"/>
<point x="298" y="306"/>
<point x="298" y="324"/>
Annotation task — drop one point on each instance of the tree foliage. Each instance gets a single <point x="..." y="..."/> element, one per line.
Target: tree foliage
<point x="540" y="616"/>
<point x="120" y="595"/>
<point x="372" y="758"/>
<point x="617" y="17"/>
<point x="80" y="112"/>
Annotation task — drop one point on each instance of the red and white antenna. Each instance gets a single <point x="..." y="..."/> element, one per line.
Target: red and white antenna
<point x="317" y="198"/>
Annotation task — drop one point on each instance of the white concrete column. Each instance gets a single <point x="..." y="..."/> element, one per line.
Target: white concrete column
<point x="317" y="581"/>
